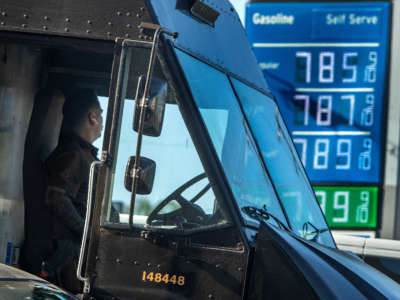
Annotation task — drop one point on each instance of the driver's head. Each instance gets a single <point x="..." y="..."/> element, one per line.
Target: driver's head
<point x="83" y="114"/>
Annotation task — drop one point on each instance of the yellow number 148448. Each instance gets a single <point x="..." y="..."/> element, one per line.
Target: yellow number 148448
<point x="163" y="278"/>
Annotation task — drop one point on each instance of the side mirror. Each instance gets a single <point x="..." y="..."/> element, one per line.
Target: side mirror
<point x="154" y="112"/>
<point x="145" y="180"/>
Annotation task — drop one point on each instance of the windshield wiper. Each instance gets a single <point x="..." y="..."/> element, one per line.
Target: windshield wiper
<point x="316" y="231"/>
<point x="261" y="214"/>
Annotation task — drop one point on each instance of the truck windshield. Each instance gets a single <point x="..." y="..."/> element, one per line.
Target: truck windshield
<point x="254" y="148"/>
<point x="282" y="161"/>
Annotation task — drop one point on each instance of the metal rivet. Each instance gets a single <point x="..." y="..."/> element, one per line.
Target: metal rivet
<point x="110" y="24"/>
<point x="142" y="9"/>
<point x="25" y="16"/>
<point x="210" y="296"/>
<point x="128" y="25"/>
<point x="46" y="18"/>
<point x="218" y="266"/>
<point x="140" y="36"/>
<point x="127" y="35"/>
<point x="97" y="258"/>
<point x="136" y="262"/>
<point x="24" y="25"/>
<point x="66" y="29"/>
<point x="119" y="13"/>
<point x="240" y="269"/>
<point x="67" y="20"/>
<point x="128" y="14"/>
<point x="45" y="27"/>
<point x="88" y="31"/>
<point x="118" y="261"/>
<point x="4" y="14"/>
<point x="89" y="22"/>
<point x="2" y="23"/>
<point x="138" y="15"/>
<point x="158" y="266"/>
<point x="149" y="264"/>
<point x="108" y="33"/>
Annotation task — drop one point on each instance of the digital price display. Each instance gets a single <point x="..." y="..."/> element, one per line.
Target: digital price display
<point x="348" y="206"/>
<point x="325" y="62"/>
<point x="326" y="65"/>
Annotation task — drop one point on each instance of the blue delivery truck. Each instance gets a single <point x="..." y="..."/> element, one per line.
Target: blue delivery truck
<point x="215" y="201"/>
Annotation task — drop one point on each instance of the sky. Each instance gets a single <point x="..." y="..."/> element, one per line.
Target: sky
<point x="240" y="7"/>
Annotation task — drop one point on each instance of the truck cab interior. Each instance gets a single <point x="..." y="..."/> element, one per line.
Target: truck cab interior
<point x="35" y="78"/>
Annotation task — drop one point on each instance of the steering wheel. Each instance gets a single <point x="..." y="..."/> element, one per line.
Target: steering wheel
<point x="188" y="215"/>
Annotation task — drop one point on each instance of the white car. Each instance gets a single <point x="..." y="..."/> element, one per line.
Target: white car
<point x="382" y="254"/>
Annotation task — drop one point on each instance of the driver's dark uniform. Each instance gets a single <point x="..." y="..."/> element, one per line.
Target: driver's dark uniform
<point x="68" y="175"/>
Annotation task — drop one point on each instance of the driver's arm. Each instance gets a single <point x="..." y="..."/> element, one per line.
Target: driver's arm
<point x="61" y="205"/>
<point x="63" y="185"/>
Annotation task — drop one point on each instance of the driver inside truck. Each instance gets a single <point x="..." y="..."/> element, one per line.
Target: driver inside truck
<point x="67" y="189"/>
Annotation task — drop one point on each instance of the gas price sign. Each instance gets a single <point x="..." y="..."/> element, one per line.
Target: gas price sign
<point x="348" y="206"/>
<point x="326" y="65"/>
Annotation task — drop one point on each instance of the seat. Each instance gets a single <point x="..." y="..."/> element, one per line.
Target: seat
<point x="42" y="138"/>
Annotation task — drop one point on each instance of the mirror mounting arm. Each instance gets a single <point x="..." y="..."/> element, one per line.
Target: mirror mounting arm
<point x="144" y="99"/>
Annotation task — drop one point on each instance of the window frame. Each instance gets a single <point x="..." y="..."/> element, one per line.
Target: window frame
<point x="111" y="143"/>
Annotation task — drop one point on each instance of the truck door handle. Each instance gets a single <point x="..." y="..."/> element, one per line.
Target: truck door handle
<point x="93" y="167"/>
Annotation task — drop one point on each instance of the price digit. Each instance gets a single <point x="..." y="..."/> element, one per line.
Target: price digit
<point x="324" y="110"/>
<point x="349" y="66"/>
<point x="351" y="100"/>
<point x="306" y="107"/>
<point x="326" y="66"/>
<point x="303" y="151"/>
<point x="341" y="202"/>
<point x="303" y="67"/>
<point x="343" y="154"/>
<point x="321" y="154"/>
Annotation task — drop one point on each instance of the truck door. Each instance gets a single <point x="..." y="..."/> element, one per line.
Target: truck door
<point x="174" y="238"/>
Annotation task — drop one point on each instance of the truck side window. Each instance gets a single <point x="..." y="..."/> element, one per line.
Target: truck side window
<point x="177" y="163"/>
<point x="182" y="198"/>
<point x="231" y="137"/>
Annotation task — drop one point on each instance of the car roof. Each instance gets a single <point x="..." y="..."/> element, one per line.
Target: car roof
<point x="14" y="273"/>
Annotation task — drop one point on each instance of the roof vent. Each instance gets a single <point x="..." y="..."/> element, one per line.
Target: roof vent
<point x="199" y="10"/>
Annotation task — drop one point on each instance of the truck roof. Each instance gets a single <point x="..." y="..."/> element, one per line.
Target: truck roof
<point x="222" y="43"/>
